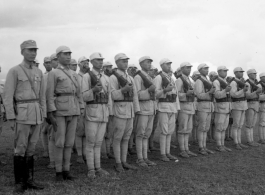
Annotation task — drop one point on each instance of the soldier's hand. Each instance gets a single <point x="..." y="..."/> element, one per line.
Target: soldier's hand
<point x="212" y="90"/>
<point x="82" y="111"/>
<point x="97" y="88"/>
<point x="245" y="88"/>
<point x="152" y="88"/>
<point x="169" y="88"/>
<point x="11" y="124"/>
<point x="190" y="93"/>
<point x="258" y="91"/>
<point x="128" y="87"/>
<point x="53" y="121"/>
<point x="228" y="88"/>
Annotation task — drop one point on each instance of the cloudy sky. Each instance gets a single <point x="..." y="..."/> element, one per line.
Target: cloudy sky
<point x="218" y="32"/>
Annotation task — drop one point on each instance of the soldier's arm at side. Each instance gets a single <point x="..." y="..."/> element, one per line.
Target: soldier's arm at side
<point x="182" y="96"/>
<point x="250" y="95"/>
<point x="142" y="94"/>
<point x="43" y="96"/>
<point x="199" y="91"/>
<point x="110" y="101"/>
<point x="218" y="94"/>
<point x="9" y="92"/>
<point x="52" y="81"/>
<point x="86" y="89"/>
<point x="158" y="83"/>
<point x="234" y="93"/>
<point x="116" y="93"/>
<point x="136" y="105"/>
<point x="261" y="96"/>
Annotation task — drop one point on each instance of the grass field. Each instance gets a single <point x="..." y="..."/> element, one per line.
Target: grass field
<point x="238" y="172"/>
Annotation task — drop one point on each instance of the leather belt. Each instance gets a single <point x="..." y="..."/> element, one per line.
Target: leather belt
<point x="238" y="99"/>
<point x="199" y="100"/>
<point x="222" y="100"/>
<point x="65" y="94"/>
<point x="166" y="100"/>
<point x="27" y="101"/>
<point x="123" y="100"/>
<point x="253" y="100"/>
<point x="92" y="102"/>
<point x="262" y="101"/>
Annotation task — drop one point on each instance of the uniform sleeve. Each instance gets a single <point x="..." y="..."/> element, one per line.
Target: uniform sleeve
<point x="80" y="82"/>
<point x="87" y="92"/>
<point x="143" y="94"/>
<point x="177" y="100"/>
<point x="43" y="96"/>
<point x="110" y="102"/>
<point x="9" y="92"/>
<point x="218" y="94"/>
<point x="52" y="81"/>
<point x="136" y="105"/>
<point x="250" y="95"/>
<point x="158" y="84"/>
<point x="116" y="93"/>
<point x="182" y="96"/>
<point x="199" y="91"/>
<point x="261" y="96"/>
<point x="234" y="93"/>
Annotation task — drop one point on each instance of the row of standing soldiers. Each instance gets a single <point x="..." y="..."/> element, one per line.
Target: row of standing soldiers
<point x="95" y="106"/>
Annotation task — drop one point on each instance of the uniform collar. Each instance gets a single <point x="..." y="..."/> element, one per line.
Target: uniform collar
<point x="80" y="73"/>
<point x="63" y="67"/>
<point x="27" y="65"/>
<point x="96" y="72"/>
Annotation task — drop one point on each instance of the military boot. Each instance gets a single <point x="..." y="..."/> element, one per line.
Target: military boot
<point x="31" y="184"/>
<point x="20" y="175"/>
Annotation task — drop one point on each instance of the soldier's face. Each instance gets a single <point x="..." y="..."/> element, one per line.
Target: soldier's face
<point x="239" y="74"/>
<point x="152" y="73"/>
<point x="252" y="76"/>
<point x="204" y="71"/>
<point x="48" y="66"/>
<point x="186" y="70"/>
<point x="64" y="58"/>
<point x="222" y="73"/>
<point x="97" y="63"/>
<point x="166" y="67"/>
<point x="54" y="63"/>
<point x="146" y="65"/>
<point x="122" y="64"/>
<point x="29" y="54"/>
<point x="73" y="67"/>
<point x="84" y="66"/>
<point x="262" y="79"/>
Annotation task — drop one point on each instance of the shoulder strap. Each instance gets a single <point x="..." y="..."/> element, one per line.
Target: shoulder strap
<point x="30" y="81"/>
<point x="69" y="77"/>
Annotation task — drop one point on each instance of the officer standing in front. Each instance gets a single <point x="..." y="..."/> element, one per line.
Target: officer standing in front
<point x="24" y="101"/>
<point x="63" y="104"/>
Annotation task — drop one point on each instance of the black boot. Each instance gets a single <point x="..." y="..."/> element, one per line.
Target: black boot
<point x="68" y="176"/>
<point x="31" y="184"/>
<point x="20" y="174"/>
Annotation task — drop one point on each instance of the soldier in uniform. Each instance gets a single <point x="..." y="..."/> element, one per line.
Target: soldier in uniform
<point x="222" y="108"/>
<point x="252" y="96"/>
<point x="63" y="104"/>
<point x="187" y="110"/>
<point x="124" y="94"/>
<point x="145" y="118"/>
<point x="73" y="65"/>
<point x="96" y="94"/>
<point x="24" y="100"/>
<point x="54" y="61"/>
<point x="166" y="94"/>
<point x="261" y="116"/>
<point x="204" y="92"/>
<point x="80" y="136"/>
<point x="239" y="106"/>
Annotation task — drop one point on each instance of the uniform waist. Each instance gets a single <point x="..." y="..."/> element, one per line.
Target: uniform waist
<point x="262" y="101"/>
<point x="226" y="99"/>
<point x="123" y="100"/>
<point x="238" y="99"/>
<point x="27" y="101"/>
<point x="65" y="94"/>
<point x="169" y="98"/>
<point x="253" y="100"/>
<point x="199" y="100"/>
<point x="95" y="102"/>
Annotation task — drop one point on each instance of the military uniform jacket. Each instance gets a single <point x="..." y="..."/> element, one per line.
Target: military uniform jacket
<point x="252" y="95"/>
<point x="221" y="107"/>
<point x="18" y="86"/>
<point x="203" y="106"/>
<point x="185" y="106"/>
<point x="80" y="81"/>
<point x="96" y="112"/>
<point x="123" y="109"/>
<point x="262" y="99"/>
<point x="147" y="106"/>
<point x="235" y="93"/>
<point x="60" y="83"/>
<point x="168" y="107"/>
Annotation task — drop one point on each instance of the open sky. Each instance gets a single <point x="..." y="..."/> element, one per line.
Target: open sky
<point x="218" y="32"/>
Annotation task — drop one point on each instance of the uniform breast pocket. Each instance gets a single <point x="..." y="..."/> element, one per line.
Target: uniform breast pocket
<point x="22" y="110"/>
<point x="23" y="82"/>
<point x="62" y="103"/>
<point x="121" y="108"/>
<point x="62" y="82"/>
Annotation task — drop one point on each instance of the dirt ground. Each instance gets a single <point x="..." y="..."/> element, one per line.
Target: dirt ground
<point x="238" y="172"/>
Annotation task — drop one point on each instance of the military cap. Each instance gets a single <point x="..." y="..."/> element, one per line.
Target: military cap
<point x="196" y="72"/>
<point x="203" y="65"/>
<point x="73" y="61"/>
<point x="81" y="59"/>
<point x="262" y="74"/>
<point x="95" y="55"/>
<point x="63" y="49"/>
<point x="29" y="44"/>
<point x="121" y="56"/>
<point x="145" y="58"/>
<point x="238" y="69"/>
<point x="178" y="69"/>
<point x="221" y="68"/>
<point x="132" y="66"/>
<point x="164" y="61"/>
<point x="107" y="64"/>
<point x="47" y="59"/>
<point x="53" y="56"/>
<point x="152" y="67"/>
<point x="251" y="71"/>
<point x="213" y="73"/>
<point x="185" y="64"/>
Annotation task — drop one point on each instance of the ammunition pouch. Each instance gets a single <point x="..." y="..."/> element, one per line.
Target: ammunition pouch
<point x="169" y="98"/>
<point x="238" y="99"/>
<point x="99" y="98"/>
<point x="253" y="100"/>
